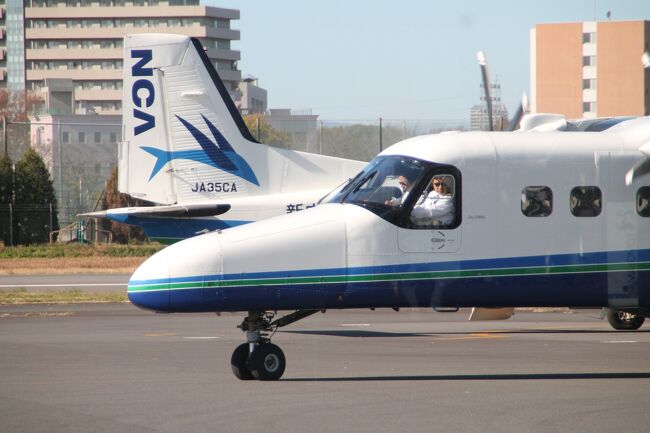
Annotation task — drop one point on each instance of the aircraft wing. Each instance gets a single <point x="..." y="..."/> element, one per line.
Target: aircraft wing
<point x="168" y="211"/>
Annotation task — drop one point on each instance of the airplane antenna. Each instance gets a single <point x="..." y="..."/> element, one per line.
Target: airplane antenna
<point x="482" y="61"/>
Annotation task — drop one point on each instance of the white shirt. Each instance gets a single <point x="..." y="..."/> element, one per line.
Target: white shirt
<point x="434" y="207"/>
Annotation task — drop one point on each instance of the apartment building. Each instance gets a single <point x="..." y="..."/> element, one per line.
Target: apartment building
<point x="81" y="41"/>
<point x="590" y="69"/>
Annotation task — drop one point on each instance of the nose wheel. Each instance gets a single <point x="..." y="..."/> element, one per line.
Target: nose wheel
<point x="259" y="358"/>
<point x="266" y="362"/>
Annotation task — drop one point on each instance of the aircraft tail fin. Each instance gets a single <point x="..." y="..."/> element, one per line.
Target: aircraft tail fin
<point x="186" y="142"/>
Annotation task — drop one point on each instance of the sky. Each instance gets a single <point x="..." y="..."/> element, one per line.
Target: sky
<point x="408" y="60"/>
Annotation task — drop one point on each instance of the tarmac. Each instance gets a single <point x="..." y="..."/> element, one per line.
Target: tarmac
<point x="115" y="368"/>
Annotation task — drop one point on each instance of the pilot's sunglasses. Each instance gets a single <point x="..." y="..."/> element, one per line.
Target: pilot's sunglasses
<point x="437" y="183"/>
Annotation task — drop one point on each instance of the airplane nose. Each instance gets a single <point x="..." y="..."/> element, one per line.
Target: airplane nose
<point x="149" y="285"/>
<point x="175" y="279"/>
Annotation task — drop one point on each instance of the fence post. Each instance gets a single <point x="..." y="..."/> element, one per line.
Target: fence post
<point x="4" y="135"/>
<point x="11" y="225"/>
<point x="381" y="145"/>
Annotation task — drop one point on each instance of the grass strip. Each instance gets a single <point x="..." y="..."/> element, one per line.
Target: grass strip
<point x="23" y="296"/>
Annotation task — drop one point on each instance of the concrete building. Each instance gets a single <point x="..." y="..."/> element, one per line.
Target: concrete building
<point x="79" y="152"/>
<point x="590" y="69"/>
<point x="81" y="41"/>
<point x="479" y="119"/>
<point x="300" y="125"/>
<point x="253" y="98"/>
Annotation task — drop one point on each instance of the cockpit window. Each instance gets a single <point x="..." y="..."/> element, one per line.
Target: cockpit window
<point x="436" y="206"/>
<point x="385" y="182"/>
<point x="399" y="189"/>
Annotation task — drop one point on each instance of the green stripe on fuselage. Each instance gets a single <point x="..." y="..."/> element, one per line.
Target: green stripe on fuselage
<point x="404" y="276"/>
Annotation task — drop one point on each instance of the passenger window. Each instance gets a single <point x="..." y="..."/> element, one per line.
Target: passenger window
<point x="536" y="201"/>
<point x="586" y="201"/>
<point x="437" y="206"/>
<point x="643" y="201"/>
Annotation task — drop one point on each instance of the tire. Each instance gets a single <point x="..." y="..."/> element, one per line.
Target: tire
<point x="624" y="321"/>
<point x="267" y="362"/>
<point x="239" y="361"/>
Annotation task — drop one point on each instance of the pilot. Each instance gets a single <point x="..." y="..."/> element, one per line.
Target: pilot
<point x="437" y="208"/>
<point x="405" y="185"/>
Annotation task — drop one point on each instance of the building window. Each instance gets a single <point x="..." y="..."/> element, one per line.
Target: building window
<point x="65" y="137"/>
<point x="588" y="60"/>
<point x="98" y="137"/>
<point x="82" y="138"/>
<point x="643" y="201"/>
<point x="586" y="201"/>
<point x="536" y="201"/>
<point x="589" y="107"/>
<point x="113" y="137"/>
<point x="589" y="38"/>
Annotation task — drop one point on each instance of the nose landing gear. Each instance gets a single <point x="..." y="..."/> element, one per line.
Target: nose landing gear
<point x="259" y="358"/>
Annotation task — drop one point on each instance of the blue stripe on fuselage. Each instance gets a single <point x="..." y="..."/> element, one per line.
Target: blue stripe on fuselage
<point x="606" y="257"/>
<point x="592" y="289"/>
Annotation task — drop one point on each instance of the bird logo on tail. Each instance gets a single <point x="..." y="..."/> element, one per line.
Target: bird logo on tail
<point x="218" y="153"/>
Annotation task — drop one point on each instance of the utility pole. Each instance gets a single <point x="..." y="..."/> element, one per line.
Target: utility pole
<point x="4" y="135"/>
<point x="381" y="144"/>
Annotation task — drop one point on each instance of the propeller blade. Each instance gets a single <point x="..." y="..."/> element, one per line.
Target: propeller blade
<point x="641" y="167"/>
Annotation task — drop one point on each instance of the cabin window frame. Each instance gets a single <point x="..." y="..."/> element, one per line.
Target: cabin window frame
<point x="590" y="209"/>
<point x="543" y="210"/>
<point x="643" y="202"/>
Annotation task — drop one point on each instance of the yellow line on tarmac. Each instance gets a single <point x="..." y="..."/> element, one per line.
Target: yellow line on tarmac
<point x="475" y="336"/>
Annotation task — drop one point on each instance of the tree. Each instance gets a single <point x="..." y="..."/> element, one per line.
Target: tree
<point x="122" y="233"/>
<point x="6" y="179"/>
<point x="16" y="107"/>
<point x="6" y="194"/>
<point x="35" y="202"/>
<point x="265" y="133"/>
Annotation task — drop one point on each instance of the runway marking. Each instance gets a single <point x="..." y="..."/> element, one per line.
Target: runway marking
<point x="475" y="336"/>
<point x="161" y="334"/>
<point x="619" y="341"/>
<point x="201" y="338"/>
<point x="355" y="324"/>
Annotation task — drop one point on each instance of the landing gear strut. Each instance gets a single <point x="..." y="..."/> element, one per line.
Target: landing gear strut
<point x="259" y="358"/>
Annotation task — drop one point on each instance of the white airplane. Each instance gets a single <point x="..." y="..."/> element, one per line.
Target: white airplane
<point x="187" y="147"/>
<point x="551" y="219"/>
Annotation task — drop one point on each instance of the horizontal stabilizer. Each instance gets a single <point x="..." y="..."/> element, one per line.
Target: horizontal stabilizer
<point x="171" y="211"/>
<point x="491" y="313"/>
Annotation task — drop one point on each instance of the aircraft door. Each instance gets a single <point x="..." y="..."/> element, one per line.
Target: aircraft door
<point x="626" y="231"/>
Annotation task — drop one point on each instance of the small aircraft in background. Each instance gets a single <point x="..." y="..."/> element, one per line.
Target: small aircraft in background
<point x="551" y="219"/>
<point x="187" y="149"/>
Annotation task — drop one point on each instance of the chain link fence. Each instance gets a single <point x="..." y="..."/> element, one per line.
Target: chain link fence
<point x="80" y="153"/>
